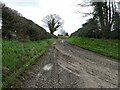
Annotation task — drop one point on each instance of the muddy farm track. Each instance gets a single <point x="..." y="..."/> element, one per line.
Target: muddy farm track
<point x="68" y="66"/>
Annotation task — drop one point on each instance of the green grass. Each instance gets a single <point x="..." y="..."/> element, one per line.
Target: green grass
<point x="0" y="63"/>
<point x="18" y="56"/>
<point x="63" y="37"/>
<point x="105" y="47"/>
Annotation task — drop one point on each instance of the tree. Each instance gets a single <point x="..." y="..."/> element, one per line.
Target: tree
<point x="89" y="29"/>
<point x="66" y="34"/>
<point x="62" y="32"/>
<point x="104" y="12"/>
<point x="15" y="26"/>
<point x="53" y="22"/>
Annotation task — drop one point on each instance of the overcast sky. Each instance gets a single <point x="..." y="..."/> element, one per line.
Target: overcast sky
<point x="36" y="10"/>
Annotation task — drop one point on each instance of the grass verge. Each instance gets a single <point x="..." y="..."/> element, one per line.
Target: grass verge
<point x="18" y="56"/>
<point x="0" y="63"/>
<point x="105" y="47"/>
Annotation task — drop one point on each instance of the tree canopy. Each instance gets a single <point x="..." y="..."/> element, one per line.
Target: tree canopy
<point x="53" y="22"/>
<point x="15" y="26"/>
<point x="105" y="22"/>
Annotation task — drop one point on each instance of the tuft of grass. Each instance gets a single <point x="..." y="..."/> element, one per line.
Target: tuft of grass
<point x="102" y="46"/>
<point x="18" y="56"/>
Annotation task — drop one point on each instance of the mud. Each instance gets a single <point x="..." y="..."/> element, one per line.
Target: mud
<point x="68" y="66"/>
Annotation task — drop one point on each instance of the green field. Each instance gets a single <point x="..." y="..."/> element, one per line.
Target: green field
<point x="105" y="47"/>
<point x="18" y="56"/>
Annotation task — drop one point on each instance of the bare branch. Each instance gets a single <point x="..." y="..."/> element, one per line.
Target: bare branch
<point x="53" y="22"/>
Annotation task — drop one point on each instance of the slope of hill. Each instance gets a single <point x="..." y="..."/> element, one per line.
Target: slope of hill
<point x="15" y="26"/>
<point x="91" y="29"/>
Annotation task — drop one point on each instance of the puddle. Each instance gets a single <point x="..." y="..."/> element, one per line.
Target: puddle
<point x="47" y="67"/>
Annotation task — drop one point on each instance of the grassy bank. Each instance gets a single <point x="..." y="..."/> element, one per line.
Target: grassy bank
<point x="18" y="56"/>
<point x="105" y="47"/>
<point x="0" y="62"/>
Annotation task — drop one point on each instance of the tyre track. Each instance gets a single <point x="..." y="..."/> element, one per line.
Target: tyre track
<point x="71" y="67"/>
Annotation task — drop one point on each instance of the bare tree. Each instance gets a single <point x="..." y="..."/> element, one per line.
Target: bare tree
<point x="53" y="22"/>
<point x="62" y="32"/>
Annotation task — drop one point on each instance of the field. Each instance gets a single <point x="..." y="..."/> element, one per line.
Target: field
<point x="105" y="47"/>
<point x="18" y="56"/>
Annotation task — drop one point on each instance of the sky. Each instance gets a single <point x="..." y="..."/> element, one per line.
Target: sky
<point x="36" y="10"/>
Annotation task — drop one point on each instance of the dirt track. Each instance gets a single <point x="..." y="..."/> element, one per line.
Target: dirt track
<point x="67" y="66"/>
